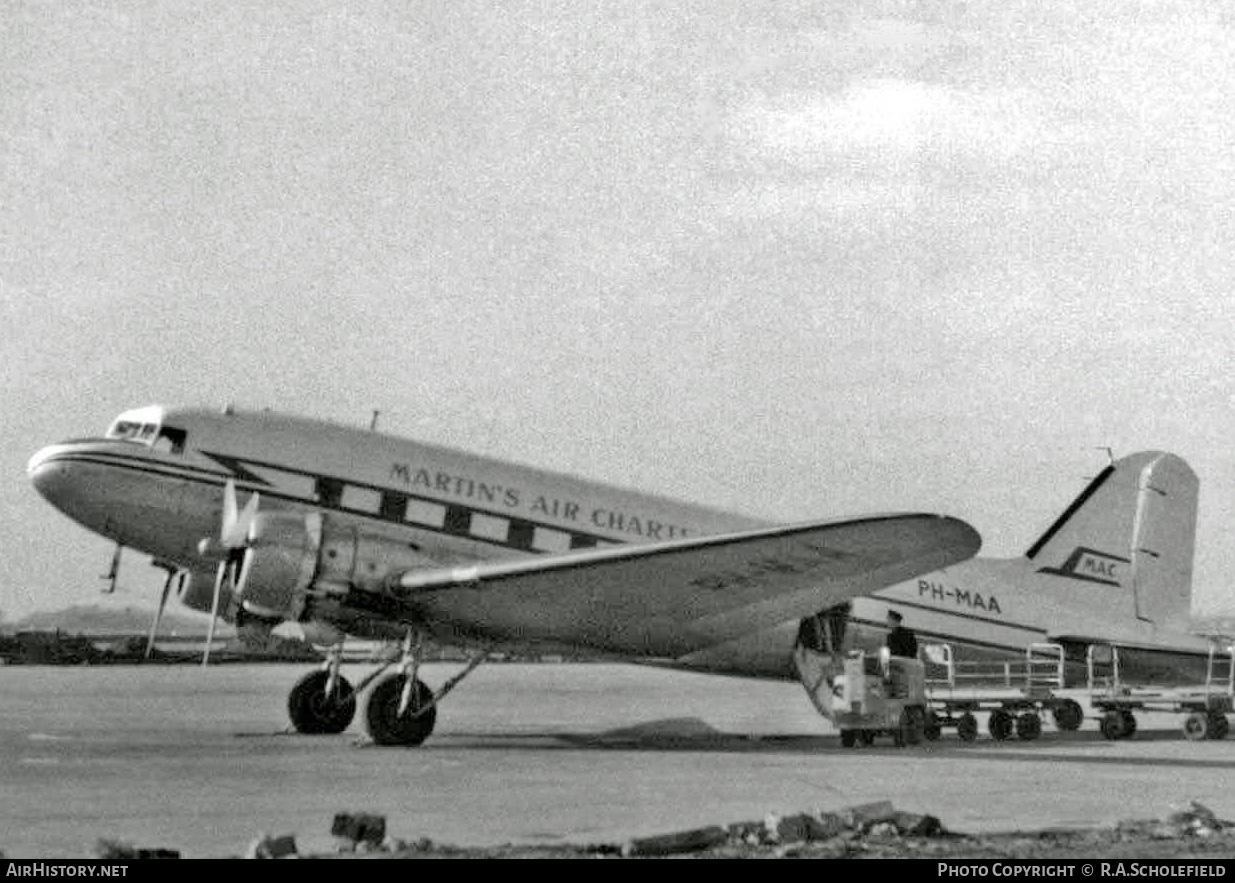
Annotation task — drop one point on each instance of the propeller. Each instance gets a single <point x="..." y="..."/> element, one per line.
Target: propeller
<point x="234" y="539"/>
<point x="158" y="613"/>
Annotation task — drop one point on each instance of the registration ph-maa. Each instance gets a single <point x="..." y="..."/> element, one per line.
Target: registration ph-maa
<point x="1001" y="869"/>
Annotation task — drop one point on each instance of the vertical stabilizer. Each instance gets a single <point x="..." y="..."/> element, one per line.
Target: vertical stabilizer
<point x="1127" y="541"/>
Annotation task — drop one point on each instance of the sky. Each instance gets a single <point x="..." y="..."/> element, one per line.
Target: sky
<point x="796" y="260"/>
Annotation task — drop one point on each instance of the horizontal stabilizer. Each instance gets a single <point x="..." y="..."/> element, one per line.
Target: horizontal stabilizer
<point x="675" y="597"/>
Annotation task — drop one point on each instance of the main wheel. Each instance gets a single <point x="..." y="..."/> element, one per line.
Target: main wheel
<point x="1068" y="715"/>
<point x="932" y="729"/>
<point x="1028" y="725"/>
<point x="387" y="726"/>
<point x="967" y="727"/>
<point x="848" y="738"/>
<point x="1129" y="724"/>
<point x="1000" y="724"/>
<point x="866" y="737"/>
<point x="1196" y="726"/>
<point x="312" y="711"/>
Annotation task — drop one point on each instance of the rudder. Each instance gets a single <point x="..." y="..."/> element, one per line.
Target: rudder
<point x="1133" y="531"/>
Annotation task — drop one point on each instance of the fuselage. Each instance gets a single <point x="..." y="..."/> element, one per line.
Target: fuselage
<point x="155" y="482"/>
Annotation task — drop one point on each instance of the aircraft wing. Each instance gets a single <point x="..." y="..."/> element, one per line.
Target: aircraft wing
<point x="675" y="597"/>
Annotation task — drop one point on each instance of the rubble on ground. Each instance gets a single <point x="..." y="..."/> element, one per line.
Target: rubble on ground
<point x="872" y="830"/>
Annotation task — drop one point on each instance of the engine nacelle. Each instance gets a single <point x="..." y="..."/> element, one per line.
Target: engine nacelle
<point x="279" y="563"/>
<point x="197" y="593"/>
<point x="291" y="558"/>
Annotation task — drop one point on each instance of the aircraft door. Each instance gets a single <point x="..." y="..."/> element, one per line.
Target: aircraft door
<point x="818" y="654"/>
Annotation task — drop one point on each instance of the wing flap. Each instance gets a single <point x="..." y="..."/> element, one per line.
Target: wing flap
<point x="671" y="598"/>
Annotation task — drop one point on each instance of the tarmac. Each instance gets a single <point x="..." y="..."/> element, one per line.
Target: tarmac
<point x="202" y="761"/>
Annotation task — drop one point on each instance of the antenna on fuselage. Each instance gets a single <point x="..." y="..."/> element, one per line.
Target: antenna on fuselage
<point x="373" y="422"/>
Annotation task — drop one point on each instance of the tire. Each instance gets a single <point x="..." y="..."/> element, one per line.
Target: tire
<point x="912" y="726"/>
<point x="1129" y="724"/>
<point x="1068" y="715"/>
<point x="1112" y="725"/>
<point x="1000" y="724"/>
<point x="1196" y="727"/>
<point x="1216" y="725"/>
<point x="387" y="726"/>
<point x="967" y="727"/>
<point x="932" y="729"/>
<point x="1028" y="726"/>
<point x="310" y="710"/>
<point x="848" y="738"/>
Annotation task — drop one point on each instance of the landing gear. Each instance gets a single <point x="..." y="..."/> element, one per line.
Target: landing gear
<point x="402" y="710"/>
<point x="323" y="701"/>
<point x="315" y="706"/>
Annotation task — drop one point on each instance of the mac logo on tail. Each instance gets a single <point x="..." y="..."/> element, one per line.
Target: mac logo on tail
<point x="1091" y="566"/>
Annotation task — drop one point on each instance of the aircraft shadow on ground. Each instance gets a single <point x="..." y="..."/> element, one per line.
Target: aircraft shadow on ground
<point x="694" y="735"/>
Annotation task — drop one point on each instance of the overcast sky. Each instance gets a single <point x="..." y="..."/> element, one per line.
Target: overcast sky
<point x="798" y="260"/>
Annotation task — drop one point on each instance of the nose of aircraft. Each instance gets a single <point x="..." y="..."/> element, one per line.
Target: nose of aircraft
<point x="46" y="474"/>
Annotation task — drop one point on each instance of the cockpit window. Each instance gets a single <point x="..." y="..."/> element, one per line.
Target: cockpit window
<point x="170" y="440"/>
<point x="125" y="429"/>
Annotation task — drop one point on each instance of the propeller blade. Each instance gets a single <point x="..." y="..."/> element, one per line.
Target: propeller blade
<point x="158" y="613"/>
<point x="219" y="576"/>
<point x="230" y="514"/>
<point x="238" y="524"/>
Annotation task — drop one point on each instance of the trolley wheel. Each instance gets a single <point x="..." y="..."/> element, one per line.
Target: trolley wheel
<point x="1129" y="724"/>
<point x="912" y="726"/>
<point x="1216" y="725"/>
<point x="932" y="728"/>
<point x="967" y="727"/>
<point x="1196" y="726"/>
<point x="848" y="738"/>
<point x="1068" y="715"/>
<point x="1112" y="724"/>
<point x="1000" y="724"/>
<point x="1028" y="725"/>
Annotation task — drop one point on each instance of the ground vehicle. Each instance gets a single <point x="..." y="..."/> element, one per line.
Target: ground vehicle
<point x="1205" y="707"/>
<point x="879" y="694"/>
<point x="1017" y="694"/>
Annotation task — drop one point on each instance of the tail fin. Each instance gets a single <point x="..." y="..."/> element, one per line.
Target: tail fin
<point x="1129" y="538"/>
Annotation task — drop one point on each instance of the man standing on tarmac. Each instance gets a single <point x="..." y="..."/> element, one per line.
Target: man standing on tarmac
<point x="901" y="640"/>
